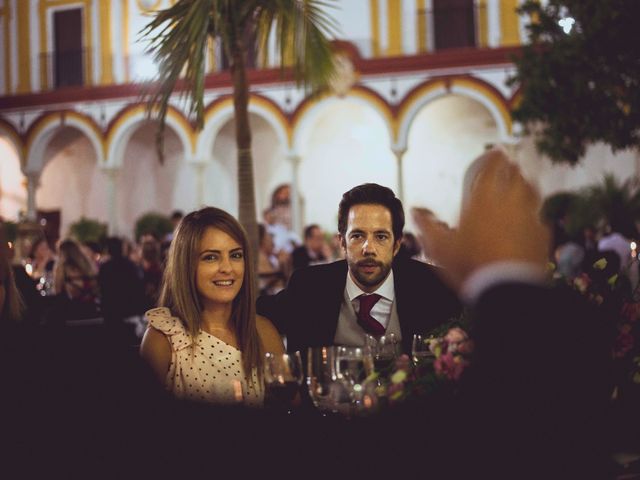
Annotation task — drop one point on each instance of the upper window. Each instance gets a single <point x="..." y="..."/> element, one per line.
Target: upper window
<point x="68" y="54"/>
<point x="454" y="24"/>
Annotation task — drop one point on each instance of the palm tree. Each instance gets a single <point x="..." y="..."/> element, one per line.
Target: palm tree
<point x="178" y="39"/>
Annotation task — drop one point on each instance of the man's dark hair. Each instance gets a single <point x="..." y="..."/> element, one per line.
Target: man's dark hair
<point x="372" y="194"/>
<point x="308" y="230"/>
<point x="114" y="247"/>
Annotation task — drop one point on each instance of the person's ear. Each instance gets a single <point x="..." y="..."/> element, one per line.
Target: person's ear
<point x="343" y="242"/>
<point x="396" y="246"/>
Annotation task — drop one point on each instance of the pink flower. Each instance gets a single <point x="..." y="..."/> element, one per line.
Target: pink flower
<point x="450" y="366"/>
<point x="466" y="347"/>
<point x="631" y="311"/>
<point x="455" y="335"/>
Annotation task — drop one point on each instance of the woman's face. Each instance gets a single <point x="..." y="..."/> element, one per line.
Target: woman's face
<point x="220" y="268"/>
<point x="42" y="252"/>
<point x="74" y="283"/>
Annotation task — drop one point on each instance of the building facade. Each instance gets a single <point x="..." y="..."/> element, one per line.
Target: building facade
<point x="421" y="92"/>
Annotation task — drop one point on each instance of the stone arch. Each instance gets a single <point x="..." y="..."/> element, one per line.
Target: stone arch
<point x="308" y="111"/>
<point x="44" y="129"/>
<point x="125" y="123"/>
<point x="8" y="131"/>
<point x="467" y="86"/>
<point x="220" y="111"/>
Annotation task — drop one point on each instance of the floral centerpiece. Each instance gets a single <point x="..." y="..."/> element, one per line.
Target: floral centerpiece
<point x="620" y="303"/>
<point x="451" y="351"/>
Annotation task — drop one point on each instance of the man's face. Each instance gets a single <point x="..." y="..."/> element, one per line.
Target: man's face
<point x="369" y="245"/>
<point x="316" y="240"/>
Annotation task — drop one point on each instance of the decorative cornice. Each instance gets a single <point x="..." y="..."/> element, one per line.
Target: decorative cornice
<point x="454" y="58"/>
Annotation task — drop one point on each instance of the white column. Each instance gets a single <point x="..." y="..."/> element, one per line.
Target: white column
<point x="493" y="23"/>
<point x="111" y="179"/>
<point x="295" y="161"/>
<point x="199" y="166"/>
<point x="33" y="182"/>
<point x="399" y="153"/>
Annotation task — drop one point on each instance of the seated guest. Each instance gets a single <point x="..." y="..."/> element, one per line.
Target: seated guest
<point x="75" y="284"/>
<point x="313" y="252"/>
<point x="205" y="342"/>
<point x="151" y="271"/>
<point x="271" y="267"/>
<point x="42" y="258"/>
<point x="371" y="292"/>
<point x="122" y="290"/>
<point x="11" y="307"/>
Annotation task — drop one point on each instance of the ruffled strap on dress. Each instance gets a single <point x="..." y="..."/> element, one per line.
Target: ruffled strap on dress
<point x="162" y="320"/>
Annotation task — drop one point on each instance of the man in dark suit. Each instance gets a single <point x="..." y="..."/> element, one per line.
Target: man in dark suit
<point x="312" y="252"/>
<point x="371" y="291"/>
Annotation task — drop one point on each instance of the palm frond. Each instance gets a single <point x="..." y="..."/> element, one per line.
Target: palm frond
<point x="303" y="30"/>
<point x="177" y="42"/>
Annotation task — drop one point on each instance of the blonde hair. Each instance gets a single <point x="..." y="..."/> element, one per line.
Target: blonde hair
<point x="179" y="291"/>
<point x="70" y="255"/>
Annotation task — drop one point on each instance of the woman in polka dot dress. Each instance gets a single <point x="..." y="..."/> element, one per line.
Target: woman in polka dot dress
<point x="205" y="342"/>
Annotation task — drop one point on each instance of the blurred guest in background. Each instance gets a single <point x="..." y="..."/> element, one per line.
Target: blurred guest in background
<point x="314" y="251"/>
<point x="272" y="267"/>
<point x="75" y="284"/>
<point x="11" y="306"/>
<point x="121" y="287"/>
<point x="151" y="271"/>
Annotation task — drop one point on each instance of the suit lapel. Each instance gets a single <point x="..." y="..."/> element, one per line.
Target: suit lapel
<point x="329" y="311"/>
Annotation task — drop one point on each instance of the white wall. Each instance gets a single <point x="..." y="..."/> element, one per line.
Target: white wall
<point x="599" y="160"/>
<point x="269" y="166"/>
<point x="348" y="145"/>
<point x="446" y="135"/>
<point x="13" y="194"/>
<point x="145" y="185"/>
<point x="71" y="181"/>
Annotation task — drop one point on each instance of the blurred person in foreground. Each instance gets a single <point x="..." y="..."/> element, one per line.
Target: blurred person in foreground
<point x="205" y="342"/>
<point x="535" y="400"/>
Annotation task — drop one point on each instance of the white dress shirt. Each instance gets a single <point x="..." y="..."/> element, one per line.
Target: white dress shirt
<point x="381" y="311"/>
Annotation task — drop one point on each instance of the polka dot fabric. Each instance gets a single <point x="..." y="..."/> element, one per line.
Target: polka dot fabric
<point x="205" y="369"/>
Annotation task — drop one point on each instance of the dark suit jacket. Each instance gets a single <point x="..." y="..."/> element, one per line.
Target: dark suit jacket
<point x="300" y="258"/>
<point x="307" y="310"/>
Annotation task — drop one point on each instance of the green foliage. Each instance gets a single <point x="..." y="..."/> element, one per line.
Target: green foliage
<point x="584" y="86"/>
<point x="88" y="230"/>
<point x="154" y="224"/>
<point x="609" y="202"/>
<point x="178" y="37"/>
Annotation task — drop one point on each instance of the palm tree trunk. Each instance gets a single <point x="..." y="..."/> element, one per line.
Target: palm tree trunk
<point x="246" y="187"/>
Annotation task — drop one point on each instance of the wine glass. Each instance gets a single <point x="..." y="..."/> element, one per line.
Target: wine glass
<point x="421" y="353"/>
<point x="282" y="378"/>
<point x="385" y="351"/>
<point x="322" y="379"/>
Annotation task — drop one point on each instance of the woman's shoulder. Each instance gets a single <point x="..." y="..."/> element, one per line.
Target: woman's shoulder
<point x="161" y="319"/>
<point x="269" y="335"/>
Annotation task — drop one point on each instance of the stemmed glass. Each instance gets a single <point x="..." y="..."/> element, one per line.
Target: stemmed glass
<point x="384" y="350"/>
<point x="354" y="365"/>
<point x="421" y="353"/>
<point x="282" y="378"/>
<point x="322" y="379"/>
